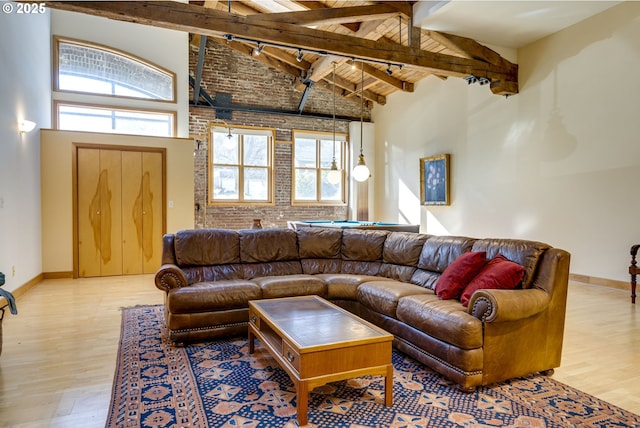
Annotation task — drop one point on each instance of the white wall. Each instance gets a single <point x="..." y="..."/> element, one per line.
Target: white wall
<point x="57" y="149"/>
<point x="167" y="48"/>
<point x="25" y="87"/>
<point x="559" y="162"/>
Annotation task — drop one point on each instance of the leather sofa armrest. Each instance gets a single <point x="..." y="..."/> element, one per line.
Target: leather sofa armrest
<point x="170" y="276"/>
<point x="507" y="305"/>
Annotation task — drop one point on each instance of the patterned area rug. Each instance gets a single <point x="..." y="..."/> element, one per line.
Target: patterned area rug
<point x="220" y="385"/>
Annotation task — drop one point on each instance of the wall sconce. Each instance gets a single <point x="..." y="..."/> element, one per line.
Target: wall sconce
<point x="25" y="126"/>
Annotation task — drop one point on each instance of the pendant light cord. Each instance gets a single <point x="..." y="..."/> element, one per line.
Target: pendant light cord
<point x="361" y="103"/>
<point x="334" y="112"/>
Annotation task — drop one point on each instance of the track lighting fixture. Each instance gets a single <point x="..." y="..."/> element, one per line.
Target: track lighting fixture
<point x="259" y="44"/>
<point x="480" y="80"/>
<point x="471" y="79"/>
<point x="389" y="71"/>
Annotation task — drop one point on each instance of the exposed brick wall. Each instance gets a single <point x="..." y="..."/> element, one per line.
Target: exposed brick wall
<point x="253" y="83"/>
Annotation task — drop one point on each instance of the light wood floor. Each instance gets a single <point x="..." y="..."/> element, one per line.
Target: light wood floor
<point x="59" y="353"/>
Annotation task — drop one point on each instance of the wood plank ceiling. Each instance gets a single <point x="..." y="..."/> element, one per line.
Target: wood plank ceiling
<point x="306" y="38"/>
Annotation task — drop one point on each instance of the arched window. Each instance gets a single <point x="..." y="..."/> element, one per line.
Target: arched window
<point x="94" y="69"/>
<point x="97" y="80"/>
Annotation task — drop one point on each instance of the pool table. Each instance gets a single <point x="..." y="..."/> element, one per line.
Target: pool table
<point x="354" y="224"/>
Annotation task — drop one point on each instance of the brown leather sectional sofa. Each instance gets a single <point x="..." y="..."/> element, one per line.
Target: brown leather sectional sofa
<point x="387" y="278"/>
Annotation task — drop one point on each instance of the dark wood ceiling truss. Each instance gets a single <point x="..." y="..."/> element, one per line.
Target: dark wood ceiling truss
<point x="375" y="37"/>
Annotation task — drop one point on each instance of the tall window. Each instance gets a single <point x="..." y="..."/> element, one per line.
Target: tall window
<point x="97" y="79"/>
<point x="313" y="154"/>
<point x="241" y="166"/>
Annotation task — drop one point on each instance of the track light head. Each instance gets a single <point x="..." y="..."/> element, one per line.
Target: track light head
<point x="471" y="79"/>
<point x="258" y="50"/>
<point x="483" y="81"/>
<point x="389" y="71"/>
<point x="299" y="57"/>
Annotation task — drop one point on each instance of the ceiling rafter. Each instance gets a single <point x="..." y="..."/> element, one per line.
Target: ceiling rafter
<point x="328" y="16"/>
<point x="213" y="22"/>
<point x="373" y="17"/>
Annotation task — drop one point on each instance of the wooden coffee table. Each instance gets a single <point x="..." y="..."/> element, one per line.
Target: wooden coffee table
<point x="317" y="342"/>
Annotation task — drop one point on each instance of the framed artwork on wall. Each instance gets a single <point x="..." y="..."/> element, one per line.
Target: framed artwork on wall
<point x="434" y="180"/>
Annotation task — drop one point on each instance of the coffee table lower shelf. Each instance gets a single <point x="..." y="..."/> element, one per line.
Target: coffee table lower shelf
<point x="313" y="366"/>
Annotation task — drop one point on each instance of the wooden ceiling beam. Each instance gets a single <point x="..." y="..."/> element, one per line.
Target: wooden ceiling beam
<point x="384" y="77"/>
<point x="211" y="22"/>
<point x="331" y="16"/>
<point x="468" y="48"/>
<point x="265" y="59"/>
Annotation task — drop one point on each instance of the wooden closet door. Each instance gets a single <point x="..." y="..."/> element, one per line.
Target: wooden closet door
<point x="152" y="212"/>
<point x="131" y="212"/>
<point x="99" y="212"/>
<point x="142" y="201"/>
<point x="89" y="237"/>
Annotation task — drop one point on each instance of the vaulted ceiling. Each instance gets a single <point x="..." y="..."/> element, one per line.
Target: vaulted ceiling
<point x="371" y="42"/>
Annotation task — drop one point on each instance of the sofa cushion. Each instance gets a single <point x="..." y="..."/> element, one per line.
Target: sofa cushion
<point x="397" y="272"/>
<point x="360" y="268"/>
<point x="438" y="252"/>
<point x="403" y="248"/>
<point x="425" y="278"/>
<point x="382" y="296"/>
<point x="459" y="273"/>
<point x="198" y="247"/>
<point x="258" y="245"/>
<point x="525" y="253"/>
<point x="212" y="296"/>
<point x="318" y="266"/>
<point x="197" y="274"/>
<point x="344" y="286"/>
<point x="446" y="320"/>
<point x="254" y="270"/>
<point x="363" y="245"/>
<point x="319" y="243"/>
<point x="498" y="273"/>
<point x="291" y="285"/>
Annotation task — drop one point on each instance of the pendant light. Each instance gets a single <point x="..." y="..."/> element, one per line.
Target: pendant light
<point x="335" y="175"/>
<point x="361" y="171"/>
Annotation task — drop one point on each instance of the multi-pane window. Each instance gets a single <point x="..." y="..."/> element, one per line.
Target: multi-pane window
<point x="74" y="117"/>
<point x="97" y="79"/>
<point x="241" y="166"/>
<point x="313" y="154"/>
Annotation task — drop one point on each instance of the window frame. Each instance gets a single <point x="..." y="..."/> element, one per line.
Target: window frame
<point x="241" y="131"/>
<point x="56" y="70"/>
<point x="58" y="103"/>
<point x="319" y="136"/>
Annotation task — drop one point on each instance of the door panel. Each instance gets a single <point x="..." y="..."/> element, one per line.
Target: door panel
<point x="89" y="263"/>
<point x="131" y="212"/>
<point x="110" y="183"/>
<point x="152" y="203"/>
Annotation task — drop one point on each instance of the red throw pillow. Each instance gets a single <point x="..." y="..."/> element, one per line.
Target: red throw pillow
<point x="458" y="274"/>
<point x="499" y="273"/>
